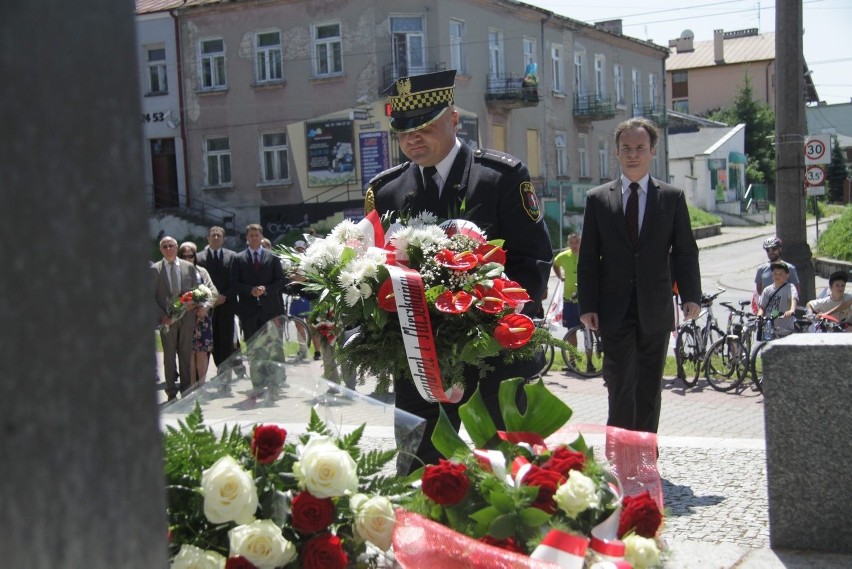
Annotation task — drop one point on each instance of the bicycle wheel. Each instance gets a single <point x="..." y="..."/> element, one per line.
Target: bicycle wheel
<point x="757" y="367"/>
<point x="586" y="359"/>
<point x="687" y="355"/>
<point x="297" y="338"/>
<point x="548" y="353"/>
<point x="726" y="364"/>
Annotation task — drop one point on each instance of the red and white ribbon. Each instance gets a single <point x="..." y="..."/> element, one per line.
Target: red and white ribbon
<point x="371" y="228"/>
<point x="567" y="550"/>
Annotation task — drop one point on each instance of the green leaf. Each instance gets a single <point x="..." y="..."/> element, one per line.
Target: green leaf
<point x="477" y="421"/>
<point x="545" y="412"/>
<point x="485" y="516"/>
<point x="502" y="500"/>
<point x="533" y="517"/>
<point x="503" y="526"/>
<point x="445" y="438"/>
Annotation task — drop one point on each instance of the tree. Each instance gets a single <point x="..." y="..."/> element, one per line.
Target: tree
<point x="759" y="133"/>
<point x="837" y="172"/>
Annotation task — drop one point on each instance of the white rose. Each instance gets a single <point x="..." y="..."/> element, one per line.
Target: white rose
<point x="325" y="470"/>
<point x="641" y="552"/>
<point x="191" y="557"/>
<point x="578" y="494"/>
<point x="229" y="492"/>
<point x="262" y="543"/>
<point x="374" y="519"/>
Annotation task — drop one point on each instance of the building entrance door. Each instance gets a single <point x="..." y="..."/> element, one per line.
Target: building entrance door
<point x="164" y="173"/>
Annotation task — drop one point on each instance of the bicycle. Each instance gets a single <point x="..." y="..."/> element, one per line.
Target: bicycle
<point x="548" y="350"/>
<point x="296" y="334"/>
<point x="727" y="362"/>
<point x="586" y="359"/>
<point x="693" y="341"/>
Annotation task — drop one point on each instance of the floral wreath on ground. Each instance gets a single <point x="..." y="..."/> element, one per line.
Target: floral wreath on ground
<point x="260" y="501"/>
<point x="510" y="491"/>
<point x="473" y="309"/>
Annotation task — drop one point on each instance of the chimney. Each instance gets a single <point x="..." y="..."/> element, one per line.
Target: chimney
<point x="611" y="26"/>
<point x="719" y="46"/>
<point x="684" y="42"/>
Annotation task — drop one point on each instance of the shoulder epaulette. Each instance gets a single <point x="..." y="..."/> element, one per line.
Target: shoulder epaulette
<point x="379" y="178"/>
<point x="497" y="156"/>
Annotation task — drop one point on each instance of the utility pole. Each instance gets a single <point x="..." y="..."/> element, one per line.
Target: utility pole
<point x="790" y="129"/>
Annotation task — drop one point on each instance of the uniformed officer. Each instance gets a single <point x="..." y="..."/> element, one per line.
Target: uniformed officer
<point x="448" y="178"/>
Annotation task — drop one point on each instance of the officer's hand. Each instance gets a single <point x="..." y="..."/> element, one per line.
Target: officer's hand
<point x="691" y="311"/>
<point x="590" y="320"/>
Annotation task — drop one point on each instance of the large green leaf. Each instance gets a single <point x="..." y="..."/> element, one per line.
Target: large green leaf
<point x="545" y="413"/>
<point x="477" y="421"/>
<point x="504" y="526"/>
<point x="445" y="438"/>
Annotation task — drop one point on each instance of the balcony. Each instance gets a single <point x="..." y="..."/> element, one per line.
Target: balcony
<point x="393" y="71"/>
<point x="510" y="92"/>
<point x="653" y="113"/>
<point x="593" y="107"/>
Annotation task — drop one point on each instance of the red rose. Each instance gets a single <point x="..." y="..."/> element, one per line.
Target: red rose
<point x="640" y="514"/>
<point x="514" y="330"/>
<point x="267" y="443"/>
<point x="311" y="514"/>
<point x="445" y="483"/>
<point x="563" y="460"/>
<point x="509" y="544"/>
<point x="324" y="551"/>
<point x="547" y="481"/>
<point x="239" y="562"/>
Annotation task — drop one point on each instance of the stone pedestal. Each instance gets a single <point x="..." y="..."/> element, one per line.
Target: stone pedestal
<point x="808" y="399"/>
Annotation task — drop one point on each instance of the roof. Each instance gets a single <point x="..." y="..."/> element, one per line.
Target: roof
<point x="151" y="6"/>
<point x="691" y="144"/>
<point x="737" y="50"/>
<point x="823" y="118"/>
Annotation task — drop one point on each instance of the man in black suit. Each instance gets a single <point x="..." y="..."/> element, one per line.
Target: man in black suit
<point x="637" y="241"/>
<point x="497" y="195"/>
<point x="258" y="279"/>
<point x="217" y="260"/>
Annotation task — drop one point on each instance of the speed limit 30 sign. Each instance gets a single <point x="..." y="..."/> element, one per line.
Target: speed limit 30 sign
<point x="817" y="149"/>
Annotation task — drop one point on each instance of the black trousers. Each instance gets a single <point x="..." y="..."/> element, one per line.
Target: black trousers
<point x="633" y="371"/>
<point x="223" y="333"/>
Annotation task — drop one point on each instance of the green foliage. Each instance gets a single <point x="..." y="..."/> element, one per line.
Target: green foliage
<point x="836" y="172"/>
<point x="700" y="218"/>
<point x="553" y="229"/>
<point x="836" y="241"/>
<point x="760" y="130"/>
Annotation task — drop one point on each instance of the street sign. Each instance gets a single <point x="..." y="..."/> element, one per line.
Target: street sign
<point x="815" y="191"/>
<point x="815" y="176"/>
<point x="817" y="148"/>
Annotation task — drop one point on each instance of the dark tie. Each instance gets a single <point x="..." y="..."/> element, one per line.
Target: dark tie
<point x="433" y="198"/>
<point x="257" y="260"/>
<point x="631" y="213"/>
<point x="175" y="278"/>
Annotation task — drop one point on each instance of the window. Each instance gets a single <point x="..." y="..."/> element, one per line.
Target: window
<point x="680" y="84"/>
<point x="600" y="79"/>
<point x="409" y="45"/>
<point x="603" y="160"/>
<point x="328" y="50"/>
<point x="213" y="64"/>
<point x="217" y="153"/>
<point x="637" y="89"/>
<point x="681" y="106"/>
<point x="274" y="157"/>
<point x="584" y="158"/>
<point x="157" y="81"/>
<point x="556" y="62"/>
<point x="456" y="46"/>
<point x="496" y="63"/>
<point x="579" y="70"/>
<point x="529" y="52"/>
<point x="618" y="74"/>
<point x="652" y="90"/>
<point x="267" y="54"/>
<point x="561" y="154"/>
<point x="532" y="153"/>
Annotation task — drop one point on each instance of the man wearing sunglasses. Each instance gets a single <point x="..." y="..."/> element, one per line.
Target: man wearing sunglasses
<point x="763" y="277"/>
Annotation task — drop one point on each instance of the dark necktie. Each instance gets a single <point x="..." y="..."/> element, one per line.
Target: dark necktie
<point x="257" y="260"/>
<point x="433" y="198"/>
<point x="631" y="213"/>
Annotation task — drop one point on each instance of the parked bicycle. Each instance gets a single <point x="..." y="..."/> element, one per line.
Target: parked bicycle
<point x="586" y="359"/>
<point x="727" y="362"/>
<point x="296" y="334"/>
<point x="693" y="341"/>
<point x="551" y="315"/>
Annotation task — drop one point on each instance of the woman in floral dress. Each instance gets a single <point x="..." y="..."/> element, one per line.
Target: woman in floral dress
<point x="202" y="338"/>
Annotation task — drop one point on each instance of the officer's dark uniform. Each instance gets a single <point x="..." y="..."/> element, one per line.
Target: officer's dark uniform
<point x="497" y="195"/>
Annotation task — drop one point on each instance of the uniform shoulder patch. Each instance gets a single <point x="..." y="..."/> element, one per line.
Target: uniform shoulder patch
<point x="497" y="156"/>
<point x="529" y="199"/>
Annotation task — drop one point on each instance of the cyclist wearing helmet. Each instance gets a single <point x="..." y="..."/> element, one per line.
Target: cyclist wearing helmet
<point x="763" y="277"/>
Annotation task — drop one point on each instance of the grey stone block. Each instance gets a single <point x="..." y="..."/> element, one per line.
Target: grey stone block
<point x="807" y="387"/>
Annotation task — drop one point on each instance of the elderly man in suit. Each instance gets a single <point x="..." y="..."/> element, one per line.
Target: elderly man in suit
<point x="217" y="260"/>
<point x="637" y="241"/>
<point x="174" y="277"/>
<point x="258" y="280"/>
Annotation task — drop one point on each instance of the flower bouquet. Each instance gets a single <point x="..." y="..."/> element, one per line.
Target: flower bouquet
<point x="511" y="501"/>
<point x="424" y="300"/>
<point x="181" y="303"/>
<point x="263" y="501"/>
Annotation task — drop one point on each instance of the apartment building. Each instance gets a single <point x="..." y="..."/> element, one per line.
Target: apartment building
<point x="285" y="119"/>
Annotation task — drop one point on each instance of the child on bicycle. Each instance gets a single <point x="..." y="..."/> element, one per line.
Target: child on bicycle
<point x="839" y="303"/>
<point x="779" y="300"/>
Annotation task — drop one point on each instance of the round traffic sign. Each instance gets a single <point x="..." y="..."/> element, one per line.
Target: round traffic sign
<point x="815" y="175"/>
<point x="814" y="149"/>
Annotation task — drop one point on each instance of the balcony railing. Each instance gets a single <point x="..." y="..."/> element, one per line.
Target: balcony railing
<point x="393" y="71"/>
<point x="593" y="107"/>
<point x="511" y="91"/>
<point x="652" y="112"/>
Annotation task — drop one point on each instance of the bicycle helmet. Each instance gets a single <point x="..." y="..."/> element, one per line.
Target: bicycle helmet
<point x="771" y="242"/>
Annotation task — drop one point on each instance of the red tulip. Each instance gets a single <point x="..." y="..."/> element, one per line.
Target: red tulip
<point x="463" y="261"/>
<point x="385" y="296"/>
<point x="490" y="300"/>
<point x="514" y="330"/>
<point x="488" y="253"/>
<point x="454" y="303"/>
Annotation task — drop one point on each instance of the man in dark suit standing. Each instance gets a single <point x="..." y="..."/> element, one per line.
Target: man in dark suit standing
<point x="217" y="260"/>
<point x="258" y="279"/>
<point x="444" y="177"/>
<point x="637" y="241"/>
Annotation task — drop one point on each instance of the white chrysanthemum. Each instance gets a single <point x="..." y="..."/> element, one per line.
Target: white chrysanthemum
<point x="323" y="256"/>
<point x="419" y="237"/>
<point x="359" y="277"/>
<point x="345" y="232"/>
